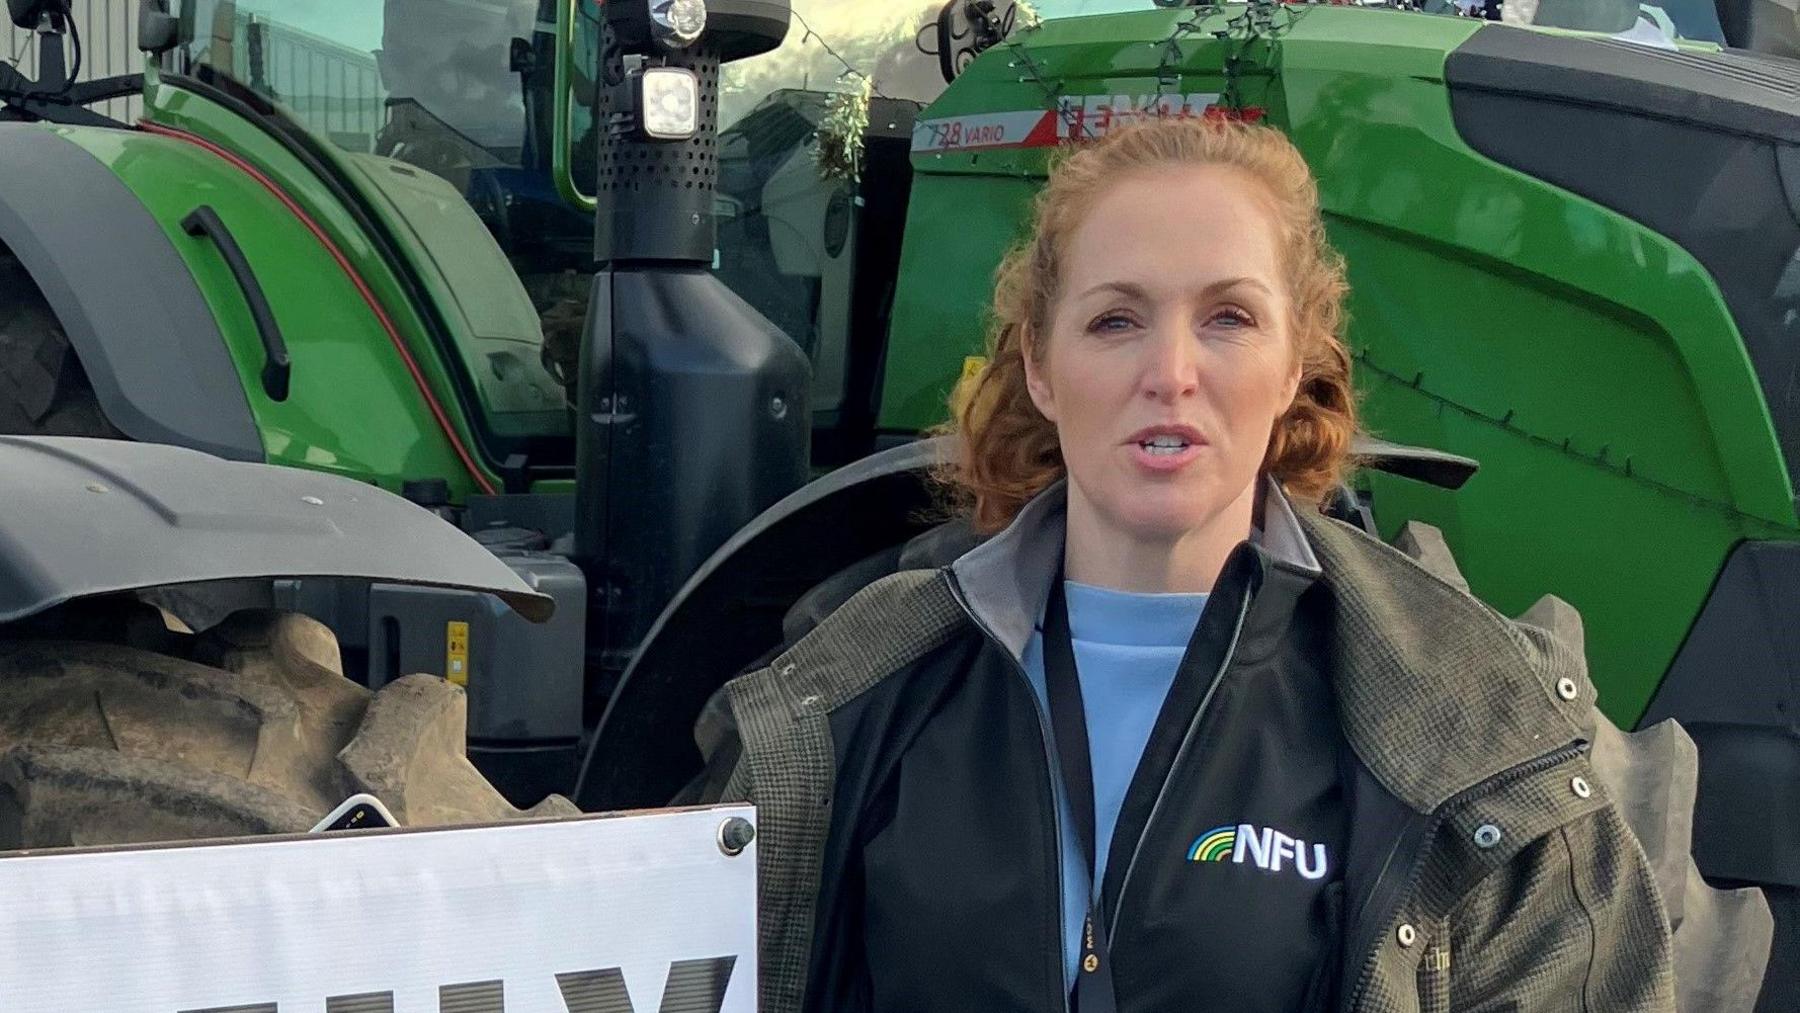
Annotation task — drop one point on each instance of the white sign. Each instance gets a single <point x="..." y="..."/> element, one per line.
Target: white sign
<point x="598" y="913"/>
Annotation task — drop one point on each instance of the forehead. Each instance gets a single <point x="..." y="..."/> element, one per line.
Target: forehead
<point x="1175" y="227"/>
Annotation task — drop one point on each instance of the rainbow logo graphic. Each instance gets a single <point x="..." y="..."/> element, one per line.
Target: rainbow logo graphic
<point x="1215" y="845"/>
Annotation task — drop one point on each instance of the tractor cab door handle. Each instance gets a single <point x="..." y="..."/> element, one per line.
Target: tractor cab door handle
<point x="277" y="368"/>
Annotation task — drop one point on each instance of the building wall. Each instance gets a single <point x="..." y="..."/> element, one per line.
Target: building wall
<point x="109" y="48"/>
<point x="331" y="88"/>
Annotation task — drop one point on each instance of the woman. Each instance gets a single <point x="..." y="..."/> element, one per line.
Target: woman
<point x="1170" y="739"/>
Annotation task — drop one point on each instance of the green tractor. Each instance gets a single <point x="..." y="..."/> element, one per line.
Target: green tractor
<point x="605" y="285"/>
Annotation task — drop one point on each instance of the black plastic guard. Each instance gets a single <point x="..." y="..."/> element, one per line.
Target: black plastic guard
<point x="1735" y="687"/>
<point x="131" y="309"/>
<point x="84" y="517"/>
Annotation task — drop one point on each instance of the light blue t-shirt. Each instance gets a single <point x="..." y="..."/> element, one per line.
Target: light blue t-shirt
<point x="1127" y="649"/>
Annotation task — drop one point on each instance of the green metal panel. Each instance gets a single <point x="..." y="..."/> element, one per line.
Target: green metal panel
<point x="354" y="409"/>
<point x="1587" y="362"/>
<point x="473" y="285"/>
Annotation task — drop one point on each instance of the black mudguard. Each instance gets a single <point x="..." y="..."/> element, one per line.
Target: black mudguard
<point x="779" y="577"/>
<point x="731" y="612"/>
<point x="1735" y="686"/>
<point x="132" y="311"/>
<point x="85" y="517"/>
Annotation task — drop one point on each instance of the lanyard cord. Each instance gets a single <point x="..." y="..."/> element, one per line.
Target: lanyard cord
<point x="1068" y="725"/>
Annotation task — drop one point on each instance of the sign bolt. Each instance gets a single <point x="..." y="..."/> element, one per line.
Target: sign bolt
<point x="735" y="834"/>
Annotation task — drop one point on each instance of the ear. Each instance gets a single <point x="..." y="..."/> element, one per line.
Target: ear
<point x="1291" y="387"/>
<point x="1037" y="384"/>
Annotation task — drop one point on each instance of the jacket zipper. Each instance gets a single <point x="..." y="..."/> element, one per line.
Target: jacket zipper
<point x="1380" y="915"/>
<point x="1056" y="788"/>
<point x="1187" y="740"/>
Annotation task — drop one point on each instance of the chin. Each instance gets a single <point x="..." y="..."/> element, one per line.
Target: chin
<point x="1162" y="517"/>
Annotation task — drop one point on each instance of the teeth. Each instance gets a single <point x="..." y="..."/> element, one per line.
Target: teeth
<point x="1165" y="444"/>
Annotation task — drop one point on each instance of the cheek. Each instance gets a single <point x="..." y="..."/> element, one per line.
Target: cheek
<point x="1092" y="397"/>
<point x="1254" y="399"/>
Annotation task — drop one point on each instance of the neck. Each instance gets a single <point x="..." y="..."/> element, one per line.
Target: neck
<point x="1100" y="552"/>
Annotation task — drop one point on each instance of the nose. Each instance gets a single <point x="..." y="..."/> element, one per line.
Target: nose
<point x="1171" y="368"/>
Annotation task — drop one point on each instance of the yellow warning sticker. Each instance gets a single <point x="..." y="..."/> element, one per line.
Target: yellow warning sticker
<point x="456" y="653"/>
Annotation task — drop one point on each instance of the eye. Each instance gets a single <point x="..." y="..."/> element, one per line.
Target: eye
<point x="1231" y="317"/>
<point x="1112" y="322"/>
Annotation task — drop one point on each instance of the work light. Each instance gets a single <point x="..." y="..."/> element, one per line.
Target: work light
<point x="668" y="103"/>
<point x="677" y="23"/>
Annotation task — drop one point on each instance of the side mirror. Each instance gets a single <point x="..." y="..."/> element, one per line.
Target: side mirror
<point x="30" y="14"/>
<point x="521" y="58"/>
<point x="158" y="30"/>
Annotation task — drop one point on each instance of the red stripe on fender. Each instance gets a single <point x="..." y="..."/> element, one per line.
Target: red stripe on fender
<point x="362" y="289"/>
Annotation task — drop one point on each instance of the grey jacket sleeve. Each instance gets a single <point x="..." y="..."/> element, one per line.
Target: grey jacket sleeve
<point x="1721" y="938"/>
<point x="1574" y="923"/>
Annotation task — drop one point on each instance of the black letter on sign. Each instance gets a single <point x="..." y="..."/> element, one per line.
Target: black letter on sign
<point x="594" y="991"/>
<point x="363" y="1002"/>
<point x="255" y="1007"/>
<point x="694" y="986"/>
<point x="698" y="986"/>
<point x="472" y="997"/>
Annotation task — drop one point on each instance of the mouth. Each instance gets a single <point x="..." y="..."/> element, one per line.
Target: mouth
<point x="1166" y="440"/>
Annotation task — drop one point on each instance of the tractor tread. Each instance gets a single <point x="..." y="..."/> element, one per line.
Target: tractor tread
<point x="44" y="391"/>
<point x="246" y="728"/>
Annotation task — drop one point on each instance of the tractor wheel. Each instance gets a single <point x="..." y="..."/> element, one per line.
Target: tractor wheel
<point x="43" y="389"/>
<point x="249" y="728"/>
<point x="1781" y="988"/>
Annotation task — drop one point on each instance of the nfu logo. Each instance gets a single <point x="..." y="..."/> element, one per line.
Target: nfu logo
<point x="1265" y="848"/>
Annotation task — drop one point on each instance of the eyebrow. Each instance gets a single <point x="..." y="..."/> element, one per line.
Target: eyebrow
<point x="1134" y="291"/>
<point x="1124" y="288"/>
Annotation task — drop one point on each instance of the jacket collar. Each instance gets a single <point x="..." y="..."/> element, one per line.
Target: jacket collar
<point x="1436" y="691"/>
<point x="1005" y="581"/>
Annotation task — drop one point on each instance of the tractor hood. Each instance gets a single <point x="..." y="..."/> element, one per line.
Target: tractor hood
<point x="81" y="517"/>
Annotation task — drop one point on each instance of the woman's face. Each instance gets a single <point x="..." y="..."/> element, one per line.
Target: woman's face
<point x="1168" y="357"/>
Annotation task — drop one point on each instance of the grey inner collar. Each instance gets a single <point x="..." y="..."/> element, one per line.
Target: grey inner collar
<point x="1006" y="579"/>
<point x="1280" y="529"/>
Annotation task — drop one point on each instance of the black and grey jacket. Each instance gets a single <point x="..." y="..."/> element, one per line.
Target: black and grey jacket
<point x="1448" y="761"/>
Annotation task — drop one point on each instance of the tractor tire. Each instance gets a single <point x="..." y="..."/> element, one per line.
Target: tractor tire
<point x="44" y="391"/>
<point x="249" y="728"/>
<point x="1781" y="988"/>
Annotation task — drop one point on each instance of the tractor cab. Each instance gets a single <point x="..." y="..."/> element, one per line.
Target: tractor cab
<point x="467" y="95"/>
